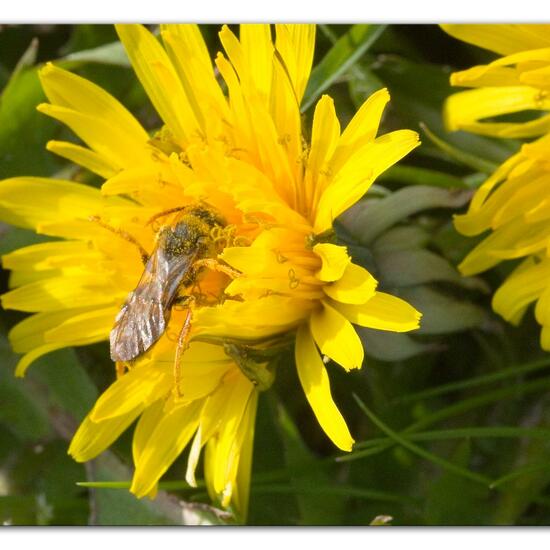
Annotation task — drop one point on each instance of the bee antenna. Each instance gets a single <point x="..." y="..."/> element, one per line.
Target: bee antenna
<point x="165" y="213"/>
<point x="122" y="234"/>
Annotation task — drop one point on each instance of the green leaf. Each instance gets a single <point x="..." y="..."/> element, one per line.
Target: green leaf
<point x="66" y="380"/>
<point x="416" y="267"/>
<point x="406" y="237"/>
<point x="368" y="219"/>
<point x="531" y="474"/>
<point x="347" y="50"/>
<point x="23" y="131"/>
<point x="391" y="346"/>
<point x="28" y="59"/>
<point x="415" y="449"/>
<point x="442" y="507"/>
<point x="19" y="412"/>
<point x="108" y="54"/>
<point x="120" y="507"/>
<point x="462" y="157"/>
<point x="413" y="175"/>
<point x="308" y="482"/>
<point x="12" y="238"/>
<point x="476" y="381"/>
<point x="441" y="313"/>
<point x="513" y="391"/>
<point x="362" y="84"/>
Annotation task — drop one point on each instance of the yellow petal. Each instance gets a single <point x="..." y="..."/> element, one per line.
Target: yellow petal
<point x="257" y="50"/>
<point x="500" y="38"/>
<point x="254" y="320"/>
<point x="85" y="157"/>
<point x="520" y="289"/>
<point x="92" y="325"/>
<point x="255" y="261"/>
<point x="383" y="312"/>
<point x="324" y="137"/>
<point x="92" y="438"/>
<point x="160" y="80"/>
<point x="62" y="292"/>
<point x="200" y="380"/>
<point x="234" y="51"/>
<point x="465" y="110"/>
<point x="74" y="92"/>
<point x="355" y="177"/>
<point x="478" y="218"/>
<point x="237" y="396"/>
<point x="141" y="385"/>
<point x="145" y="426"/>
<point x="336" y="337"/>
<point x="545" y="338"/>
<point x="164" y="445"/>
<point x="286" y="116"/>
<point x="99" y="134"/>
<point x="522" y="201"/>
<point x="242" y="487"/>
<point x="210" y="466"/>
<point x="214" y="408"/>
<point x="361" y="129"/>
<point x="314" y="379"/>
<point x="542" y="309"/>
<point x="25" y="362"/>
<point x="187" y="51"/>
<point x="194" y="456"/>
<point x="513" y="240"/>
<point x="50" y="255"/>
<point x="335" y="260"/>
<point x="538" y="78"/>
<point x="94" y="115"/>
<point x="52" y="200"/>
<point x="356" y="286"/>
<point x="29" y="333"/>
<point x="296" y="45"/>
<point x="485" y="75"/>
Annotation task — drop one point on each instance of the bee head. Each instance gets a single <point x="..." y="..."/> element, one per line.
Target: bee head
<point x="207" y="214"/>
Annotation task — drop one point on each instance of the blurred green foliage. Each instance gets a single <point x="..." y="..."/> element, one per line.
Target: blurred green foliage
<point x="452" y="422"/>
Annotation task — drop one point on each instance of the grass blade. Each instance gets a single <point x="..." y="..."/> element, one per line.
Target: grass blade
<point x="419" y="451"/>
<point x="474" y="382"/>
<point x="347" y="50"/>
<point x="439" y="435"/>
<point x="468" y="159"/>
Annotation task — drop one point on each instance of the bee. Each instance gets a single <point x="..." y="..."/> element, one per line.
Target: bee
<point x="181" y="250"/>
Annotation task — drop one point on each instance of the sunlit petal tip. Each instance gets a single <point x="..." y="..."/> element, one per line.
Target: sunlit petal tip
<point x="336" y="337"/>
<point x="314" y="379"/>
<point x="356" y="286"/>
<point x="47" y="69"/>
<point x="335" y="259"/>
<point x="44" y="108"/>
<point x="383" y="312"/>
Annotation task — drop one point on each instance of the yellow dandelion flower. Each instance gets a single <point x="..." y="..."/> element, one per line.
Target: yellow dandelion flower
<point x="237" y="149"/>
<point x="512" y="203"/>
<point x="217" y="412"/>
<point x="518" y="81"/>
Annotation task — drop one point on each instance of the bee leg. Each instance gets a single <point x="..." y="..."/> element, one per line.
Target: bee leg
<point x="214" y="265"/>
<point x="122" y="234"/>
<point x="182" y="345"/>
<point x="120" y="368"/>
<point x="181" y="302"/>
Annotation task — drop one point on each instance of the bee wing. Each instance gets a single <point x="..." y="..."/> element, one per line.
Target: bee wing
<point x="144" y="316"/>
